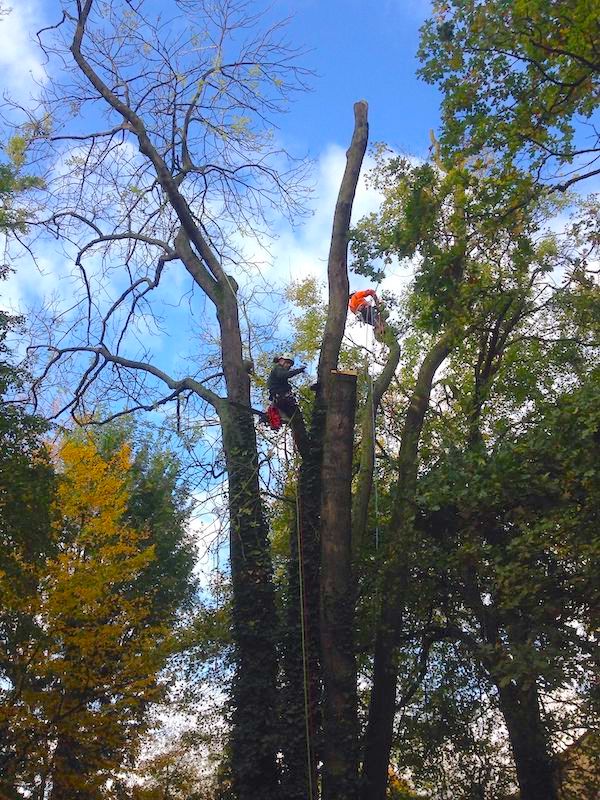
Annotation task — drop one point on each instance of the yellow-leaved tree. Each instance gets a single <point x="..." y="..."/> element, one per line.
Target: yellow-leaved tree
<point x="86" y="667"/>
<point x="105" y="654"/>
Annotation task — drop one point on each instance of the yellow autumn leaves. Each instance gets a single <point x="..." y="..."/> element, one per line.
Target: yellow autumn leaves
<point x="83" y="659"/>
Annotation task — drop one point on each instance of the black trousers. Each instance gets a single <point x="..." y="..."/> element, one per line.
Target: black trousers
<point x="368" y="314"/>
<point x="286" y="403"/>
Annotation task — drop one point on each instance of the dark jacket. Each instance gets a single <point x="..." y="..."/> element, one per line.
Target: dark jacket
<point x="279" y="380"/>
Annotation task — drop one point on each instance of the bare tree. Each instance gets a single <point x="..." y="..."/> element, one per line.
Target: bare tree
<point x="156" y="142"/>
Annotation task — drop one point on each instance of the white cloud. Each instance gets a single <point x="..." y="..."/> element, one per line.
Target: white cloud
<point x="206" y="527"/>
<point x="301" y="252"/>
<point x="20" y="59"/>
<point x="31" y="284"/>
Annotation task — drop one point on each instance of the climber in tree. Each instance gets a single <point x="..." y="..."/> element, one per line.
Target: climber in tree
<point x="280" y="388"/>
<point x="365" y="305"/>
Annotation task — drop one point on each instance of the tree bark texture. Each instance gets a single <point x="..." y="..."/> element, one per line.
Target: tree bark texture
<point x="340" y="750"/>
<point x="378" y="737"/>
<point x="310" y="477"/>
<point x="533" y="762"/>
<point x="337" y="263"/>
<point x="364" y="480"/>
<point x="254" y="690"/>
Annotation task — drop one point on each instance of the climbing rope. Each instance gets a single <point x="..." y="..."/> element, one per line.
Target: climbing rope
<point x="305" y="669"/>
<point x="375" y="484"/>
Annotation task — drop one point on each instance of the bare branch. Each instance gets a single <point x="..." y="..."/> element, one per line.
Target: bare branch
<point x="184" y="383"/>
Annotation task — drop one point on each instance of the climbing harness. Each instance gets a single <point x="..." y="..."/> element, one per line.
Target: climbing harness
<point x="273" y="416"/>
<point x="360" y="303"/>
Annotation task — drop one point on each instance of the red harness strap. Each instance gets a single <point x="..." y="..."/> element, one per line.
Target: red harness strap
<point x="274" y="417"/>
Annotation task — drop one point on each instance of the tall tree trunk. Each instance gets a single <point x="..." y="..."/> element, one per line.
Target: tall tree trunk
<point x="533" y="762"/>
<point x="69" y="772"/>
<point x="254" y="690"/>
<point x="378" y="737"/>
<point x="519" y="699"/>
<point x="310" y="478"/>
<point x="254" y="745"/>
<point x="364" y="480"/>
<point x="340" y="723"/>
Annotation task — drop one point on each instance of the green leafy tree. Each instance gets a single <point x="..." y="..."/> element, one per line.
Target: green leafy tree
<point x="470" y="275"/>
<point x="520" y="87"/>
<point x="27" y="489"/>
<point x="492" y="314"/>
<point x="99" y="624"/>
<point x="518" y="567"/>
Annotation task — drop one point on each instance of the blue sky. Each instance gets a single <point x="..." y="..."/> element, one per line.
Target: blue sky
<point x="358" y="50"/>
<point x="362" y="50"/>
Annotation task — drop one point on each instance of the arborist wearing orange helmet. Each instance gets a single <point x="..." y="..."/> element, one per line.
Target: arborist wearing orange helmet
<point x="364" y="305"/>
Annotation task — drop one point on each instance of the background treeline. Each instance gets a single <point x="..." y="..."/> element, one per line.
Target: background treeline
<point x="96" y="576"/>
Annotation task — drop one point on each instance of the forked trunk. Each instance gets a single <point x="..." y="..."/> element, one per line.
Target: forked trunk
<point x="340" y="724"/>
<point x="378" y="737"/>
<point x="310" y="484"/>
<point x="533" y="762"/>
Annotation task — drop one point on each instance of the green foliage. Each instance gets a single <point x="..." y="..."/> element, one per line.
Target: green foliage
<point x="510" y="532"/>
<point x="514" y="78"/>
<point x="26" y="475"/>
<point x="159" y="501"/>
<point x="506" y="500"/>
<point x="449" y="740"/>
<point x="466" y="258"/>
<point x="421" y="217"/>
<point x="13" y="184"/>
<point x="88" y="611"/>
<point x="309" y="321"/>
